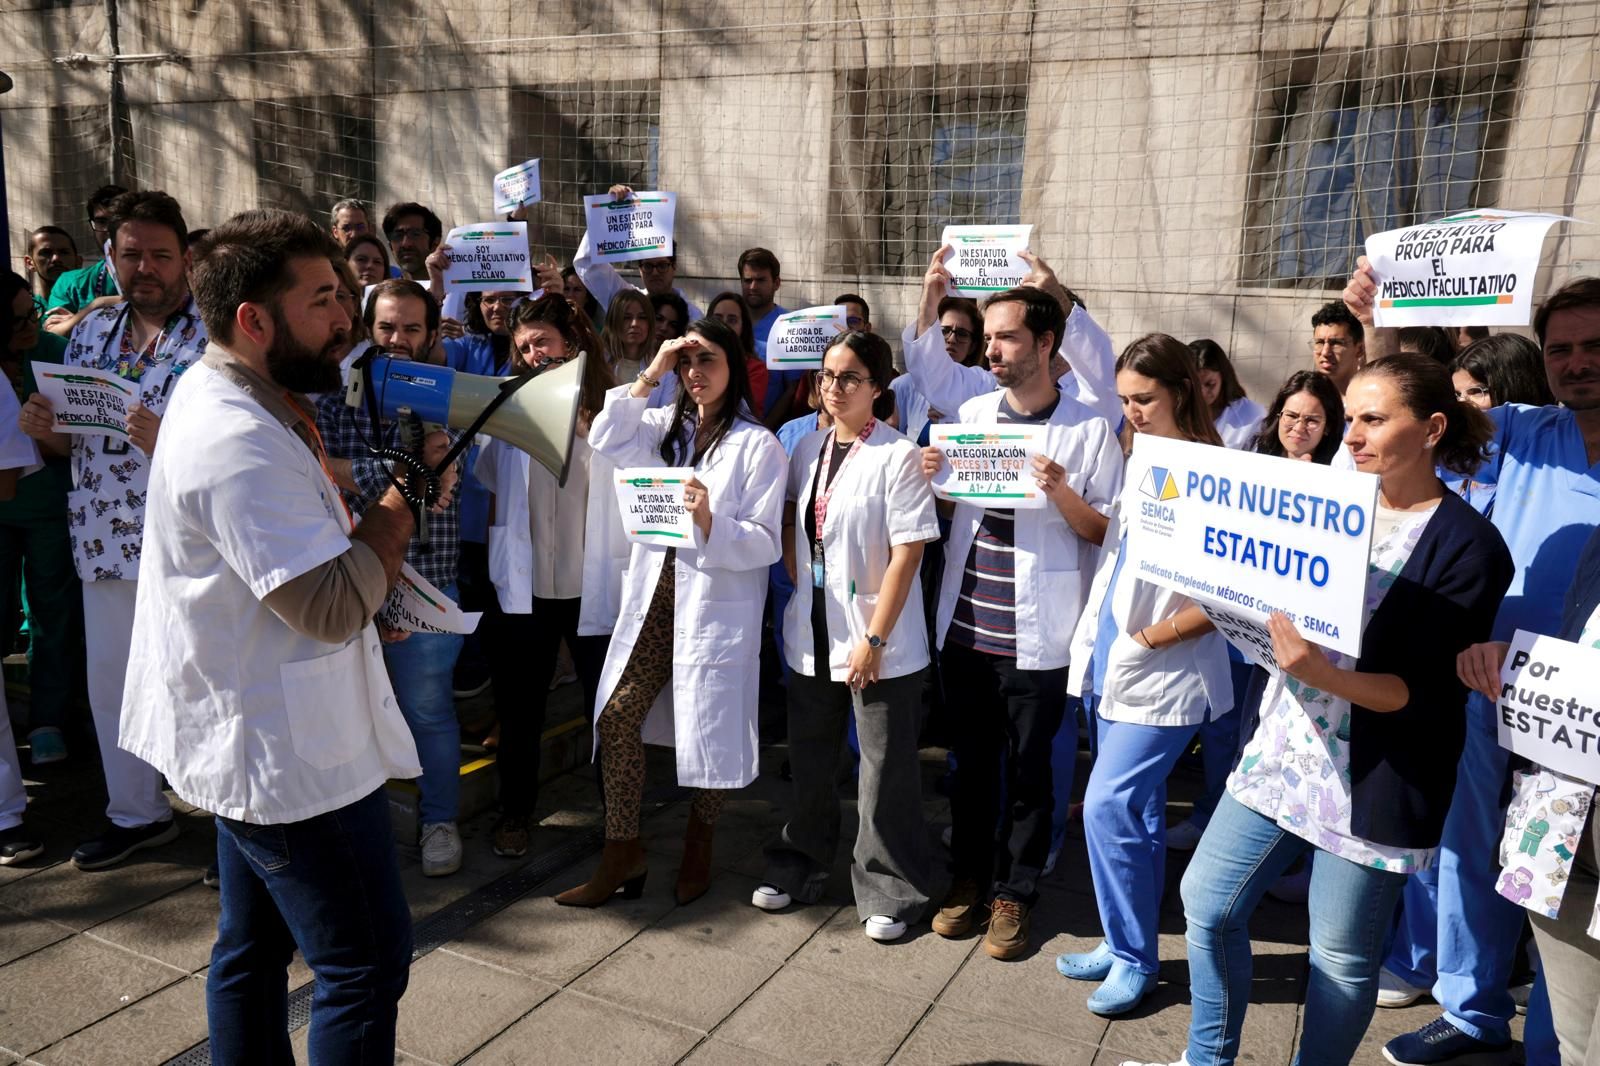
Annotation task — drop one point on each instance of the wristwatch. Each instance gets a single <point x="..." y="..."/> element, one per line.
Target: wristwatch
<point x="874" y="641"/>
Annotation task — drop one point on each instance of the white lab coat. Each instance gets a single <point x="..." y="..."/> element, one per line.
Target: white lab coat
<point x="880" y="499"/>
<point x="1240" y="422"/>
<point x="246" y="717"/>
<point x="1053" y="564"/>
<point x="708" y="712"/>
<point x="1170" y="686"/>
<point x="514" y="565"/>
<point x="947" y="384"/>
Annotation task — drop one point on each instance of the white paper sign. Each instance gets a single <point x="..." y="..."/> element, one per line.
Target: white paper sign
<point x="489" y="256"/>
<point x="621" y="231"/>
<point x="1250" y="637"/>
<point x="800" y="339"/>
<point x="983" y="259"/>
<point x="1475" y="268"/>
<point x="415" y="606"/>
<point x="1252" y="533"/>
<point x="650" y="499"/>
<point x="517" y="186"/>
<point x="86" y="400"/>
<point x="1549" y="706"/>
<point x="989" y="464"/>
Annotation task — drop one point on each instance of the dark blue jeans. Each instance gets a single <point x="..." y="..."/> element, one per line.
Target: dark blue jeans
<point x="331" y="886"/>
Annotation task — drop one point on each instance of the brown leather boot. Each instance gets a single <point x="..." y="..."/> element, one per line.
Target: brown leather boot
<point x="621" y="866"/>
<point x="694" y="877"/>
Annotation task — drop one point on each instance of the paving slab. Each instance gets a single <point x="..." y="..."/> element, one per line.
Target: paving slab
<point x="575" y="1030"/>
<point x="1029" y="992"/>
<point x="951" y="1037"/>
<point x="80" y="899"/>
<point x="152" y="1030"/>
<point x="22" y="933"/>
<point x="919" y="964"/>
<point x="677" y="978"/>
<point x="724" y="917"/>
<point x="70" y="985"/>
<point x="714" y="1052"/>
<point x="811" y="1018"/>
<point x="453" y="1005"/>
<point x="537" y="937"/>
<point x="178" y="929"/>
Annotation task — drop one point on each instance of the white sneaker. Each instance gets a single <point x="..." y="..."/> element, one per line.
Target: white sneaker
<point x="1181" y="1062"/>
<point x="882" y="928"/>
<point x="1185" y="836"/>
<point x="1394" y="993"/>
<point x="769" y="898"/>
<point x="441" y="849"/>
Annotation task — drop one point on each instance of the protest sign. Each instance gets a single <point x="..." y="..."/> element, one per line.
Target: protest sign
<point x="415" y="606"/>
<point x="1549" y="706"/>
<point x="621" y="231"/>
<point x="1252" y="533"/>
<point x="989" y="464"/>
<point x="517" y="186"/>
<point x="984" y="259"/>
<point x="650" y="499"/>
<point x="86" y="400"/>
<point x="489" y="256"/>
<point x="800" y="339"/>
<point x="1475" y="268"/>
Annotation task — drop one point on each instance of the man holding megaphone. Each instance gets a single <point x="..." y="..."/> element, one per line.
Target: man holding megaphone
<point x="403" y="319"/>
<point x="255" y="680"/>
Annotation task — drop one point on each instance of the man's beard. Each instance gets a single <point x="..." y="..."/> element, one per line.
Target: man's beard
<point x="170" y="299"/>
<point x="300" y="368"/>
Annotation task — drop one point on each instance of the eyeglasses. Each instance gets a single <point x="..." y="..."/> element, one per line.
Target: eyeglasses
<point x="955" y="333"/>
<point x="411" y="234"/>
<point x="1336" y="344"/>
<point x="1311" y="422"/>
<point x="100" y="222"/>
<point x="855" y="323"/>
<point x="503" y="300"/>
<point x="1473" y="392"/>
<point x="848" y="383"/>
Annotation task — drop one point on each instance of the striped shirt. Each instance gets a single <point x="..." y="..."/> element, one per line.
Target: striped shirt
<point x="985" y="616"/>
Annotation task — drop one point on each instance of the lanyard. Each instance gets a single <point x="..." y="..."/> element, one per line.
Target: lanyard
<point x="825" y="492"/>
<point x="322" y="455"/>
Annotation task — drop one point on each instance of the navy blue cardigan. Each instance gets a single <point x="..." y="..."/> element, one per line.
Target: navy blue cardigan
<point x="1403" y="763"/>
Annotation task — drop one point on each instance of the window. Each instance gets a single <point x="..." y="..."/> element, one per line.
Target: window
<point x="314" y="151"/>
<point x="916" y="149"/>
<point x="1352" y="143"/>
<point x="587" y="137"/>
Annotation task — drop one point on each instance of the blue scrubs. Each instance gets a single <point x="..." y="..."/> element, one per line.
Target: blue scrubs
<point x="1456" y="932"/>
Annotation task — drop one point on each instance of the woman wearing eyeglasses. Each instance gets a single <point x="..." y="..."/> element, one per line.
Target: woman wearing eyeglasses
<point x="962" y="325"/>
<point x="1305" y="422"/>
<point x="859" y="513"/>
<point x="1500" y="369"/>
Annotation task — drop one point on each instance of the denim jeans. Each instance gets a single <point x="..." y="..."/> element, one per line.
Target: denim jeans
<point x="329" y="885"/>
<point x="1351" y="906"/>
<point x="422" y="671"/>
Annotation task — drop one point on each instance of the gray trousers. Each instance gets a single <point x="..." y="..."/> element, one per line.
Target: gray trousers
<point x="894" y="871"/>
<point x="1571" y="960"/>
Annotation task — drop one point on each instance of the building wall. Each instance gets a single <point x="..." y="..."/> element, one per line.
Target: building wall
<point x="1146" y="124"/>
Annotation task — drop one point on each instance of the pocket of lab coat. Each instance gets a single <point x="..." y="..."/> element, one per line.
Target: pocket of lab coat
<point x="716" y="632"/>
<point x="328" y="706"/>
<point x="858" y="615"/>
<point x="1136" y="675"/>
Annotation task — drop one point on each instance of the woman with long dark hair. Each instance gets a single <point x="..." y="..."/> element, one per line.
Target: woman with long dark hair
<point x="1306" y="420"/>
<point x="1235" y="413"/>
<point x="684" y="662"/>
<point x="1153" y="669"/>
<point x="730" y="309"/>
<point x="1353" y="763"/>
<point x="555" y="553"/>
<point x="368" y="258"/>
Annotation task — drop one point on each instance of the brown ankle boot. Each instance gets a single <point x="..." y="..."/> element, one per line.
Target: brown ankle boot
<point x="694" y="877"/>
<point x="621" y="866"/>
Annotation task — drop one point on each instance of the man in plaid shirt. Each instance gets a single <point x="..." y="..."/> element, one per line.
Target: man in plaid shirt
<point x="403" y="320"/>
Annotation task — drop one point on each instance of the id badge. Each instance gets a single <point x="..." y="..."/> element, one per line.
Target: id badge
<point x="816" y="573"/>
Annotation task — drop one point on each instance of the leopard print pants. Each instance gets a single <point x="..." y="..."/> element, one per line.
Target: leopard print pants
<point x="649" y="670"/>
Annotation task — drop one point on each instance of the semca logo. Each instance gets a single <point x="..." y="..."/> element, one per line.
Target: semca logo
<point x="1159" y="484"/>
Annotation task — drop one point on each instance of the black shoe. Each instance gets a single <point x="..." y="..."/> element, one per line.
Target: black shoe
<point x="212" y="878"/>
<point x="18" y="845"/>
<point x="117" y="843"/>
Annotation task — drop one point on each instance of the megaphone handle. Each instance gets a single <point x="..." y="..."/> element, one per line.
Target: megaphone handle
<point x="411" y="433"/>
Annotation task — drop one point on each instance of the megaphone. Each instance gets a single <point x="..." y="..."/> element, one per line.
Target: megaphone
<point x="537" y="413"/>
